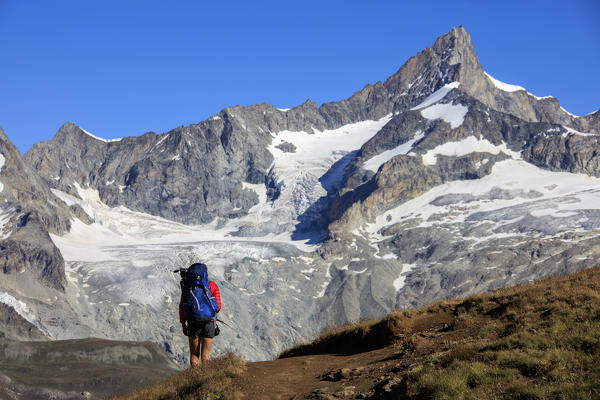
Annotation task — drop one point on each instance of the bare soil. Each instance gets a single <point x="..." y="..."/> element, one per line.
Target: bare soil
<point x="349" y="376"/>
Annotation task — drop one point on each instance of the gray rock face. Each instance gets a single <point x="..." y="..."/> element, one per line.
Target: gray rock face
<point x="30" y="248"/>
<point x="23" y="186"/>
<point x="14" y="327"/>
<point x="404" y="177"/>
<point x="565" y="151"/>
<point x="28" y="212"/>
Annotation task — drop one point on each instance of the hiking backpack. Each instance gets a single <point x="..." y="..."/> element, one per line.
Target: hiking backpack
<point x="198" y="302"/>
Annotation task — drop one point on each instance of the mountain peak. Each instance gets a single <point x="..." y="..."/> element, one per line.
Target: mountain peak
<point x="68" y="129"/>
<point x="455" y="47"/>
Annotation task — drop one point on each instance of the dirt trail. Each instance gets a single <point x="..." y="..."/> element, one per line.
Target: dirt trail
<point x="338" y="376"/>
<point x="306" y="376"/>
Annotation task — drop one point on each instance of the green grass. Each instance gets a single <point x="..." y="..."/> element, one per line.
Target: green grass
<point x="214" y="381"/>
<point x="540" y="341"/>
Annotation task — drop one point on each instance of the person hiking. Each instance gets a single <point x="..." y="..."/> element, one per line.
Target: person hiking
<point x="198" y="307"/>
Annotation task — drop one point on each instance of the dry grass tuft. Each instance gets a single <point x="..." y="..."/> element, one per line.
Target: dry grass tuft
<point x="214" y="381"/>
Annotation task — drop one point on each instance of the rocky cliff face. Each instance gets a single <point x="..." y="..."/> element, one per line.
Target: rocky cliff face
<point x="438" y="182"/>
<point x="195" y="174"/>
<point x="456" y="125"/>
<point x="29" y="211"/>
<point x="14" y="327"/>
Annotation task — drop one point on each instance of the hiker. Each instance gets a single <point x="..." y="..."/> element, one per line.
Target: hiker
<point x="200" y="302"/>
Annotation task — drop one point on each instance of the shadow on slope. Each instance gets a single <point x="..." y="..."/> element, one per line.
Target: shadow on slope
<point x="312" y="225"/>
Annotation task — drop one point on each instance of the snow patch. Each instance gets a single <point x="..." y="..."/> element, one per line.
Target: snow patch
<point x="510" y="175"/>
<point x="99" y="138"/>
<point x="400" y="281"/>
<point x="375" y="162"/>
<point x="468" y="145"/>
<point x="451" y="113"/>
<point x="540" y="98"/>
<point x="571" y="131"/>
<point x="66" y="198"/>
<point x="19" y="306"/>
<point x="437" y="95"/>
<point x="389" y="256"/>
<point x="504" y="86"/>
<point x="2" y="161"/>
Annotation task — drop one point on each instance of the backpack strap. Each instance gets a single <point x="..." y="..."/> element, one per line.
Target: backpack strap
<point x="209" y="297"/>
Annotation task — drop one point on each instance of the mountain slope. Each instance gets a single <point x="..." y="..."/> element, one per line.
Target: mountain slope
<point x="76" y="369"/>
<point x="537" y="341"/>
<point x="195" y="174"/>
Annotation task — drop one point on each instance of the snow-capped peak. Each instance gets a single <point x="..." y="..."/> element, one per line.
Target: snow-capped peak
<point x="504" y="86"/>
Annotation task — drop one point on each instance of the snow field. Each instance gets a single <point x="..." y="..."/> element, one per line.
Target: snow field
<point x="454" y="114"/>
<point x="514" y="88"/>
<point x="504" y="86"/>
<point x="466" y="146"/>
<point x="306" y="175"/>
<point x="510" y="175"/>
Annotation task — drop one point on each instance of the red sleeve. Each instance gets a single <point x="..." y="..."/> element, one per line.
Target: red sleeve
<point x="181" y="317"/>
<point x="214" y="290"/>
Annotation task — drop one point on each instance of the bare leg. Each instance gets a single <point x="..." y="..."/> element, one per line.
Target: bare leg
<point x="194" y="351"/>
<point x="206" y="343"/>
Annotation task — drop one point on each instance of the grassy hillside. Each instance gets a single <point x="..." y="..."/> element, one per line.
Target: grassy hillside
<point x="540" y="341"/>
<point x="215" y="381"/>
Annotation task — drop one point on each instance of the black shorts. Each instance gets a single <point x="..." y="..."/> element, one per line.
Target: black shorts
<point x="201" y="329"/>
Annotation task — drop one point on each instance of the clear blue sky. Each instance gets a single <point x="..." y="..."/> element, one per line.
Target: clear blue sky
<point x="127" y="67"/>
